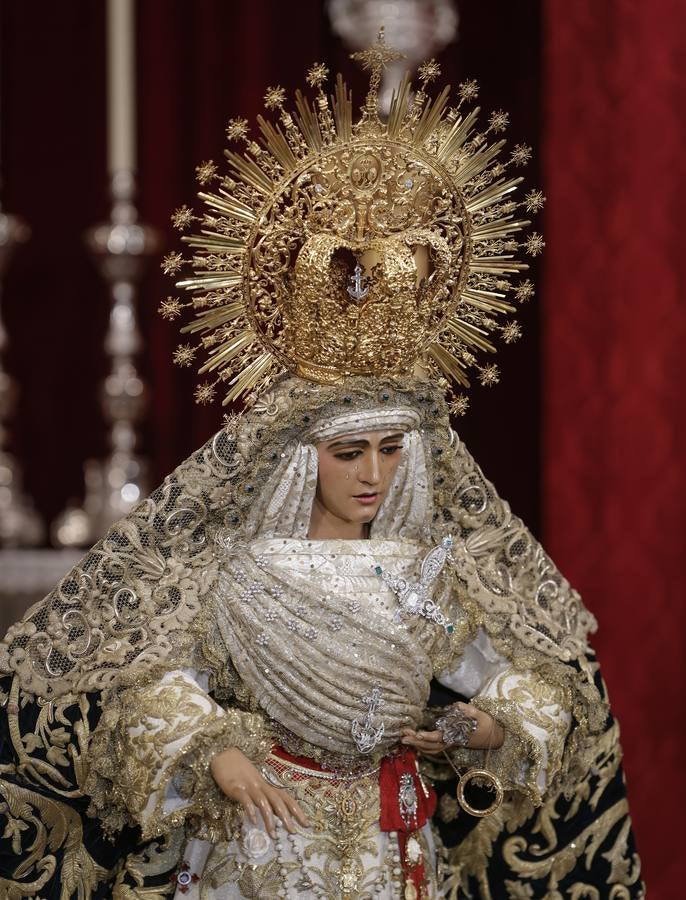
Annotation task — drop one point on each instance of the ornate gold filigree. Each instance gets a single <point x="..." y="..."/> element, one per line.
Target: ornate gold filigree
<point x="162" y="733"/>
<point x="54" y="827"/>
<point x="342" y="854"/>
<point x="540" y="856"/>
<point x="339" y="247"/>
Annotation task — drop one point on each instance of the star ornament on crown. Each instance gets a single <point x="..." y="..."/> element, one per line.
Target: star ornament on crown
<point x="337" y="246"/>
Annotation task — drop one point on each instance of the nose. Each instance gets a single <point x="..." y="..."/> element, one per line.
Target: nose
<point x="370" y="472"/>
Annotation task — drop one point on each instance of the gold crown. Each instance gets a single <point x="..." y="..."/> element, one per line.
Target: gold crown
<point x="337" y="248"/>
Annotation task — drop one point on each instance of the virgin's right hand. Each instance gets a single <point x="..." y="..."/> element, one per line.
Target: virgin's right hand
<point x="238" y="778"/>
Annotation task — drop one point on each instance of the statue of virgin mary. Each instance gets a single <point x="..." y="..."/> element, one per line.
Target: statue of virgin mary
<point x="324" y="659"/>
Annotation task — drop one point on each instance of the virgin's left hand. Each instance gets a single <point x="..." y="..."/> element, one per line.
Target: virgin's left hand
<point x="488" y="733"/>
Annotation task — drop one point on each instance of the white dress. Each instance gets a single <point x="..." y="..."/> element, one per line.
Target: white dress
<point x="344" y="853"/>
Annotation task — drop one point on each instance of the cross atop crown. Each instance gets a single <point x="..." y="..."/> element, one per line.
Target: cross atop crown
<point x="376" y="58"/>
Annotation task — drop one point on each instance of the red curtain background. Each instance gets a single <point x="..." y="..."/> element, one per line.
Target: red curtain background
<point x="587" y="425"/>
<point x="614" y="371"/>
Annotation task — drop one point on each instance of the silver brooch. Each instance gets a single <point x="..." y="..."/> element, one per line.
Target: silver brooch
<point x="368" y="732"/>
<point x="407" y="800"/>
<point x="415" y="599"/>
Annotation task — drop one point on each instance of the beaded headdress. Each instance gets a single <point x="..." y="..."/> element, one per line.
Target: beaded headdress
<point x="337" y="246"/>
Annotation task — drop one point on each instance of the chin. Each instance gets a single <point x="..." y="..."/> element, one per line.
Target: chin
<point x="365" y="516"/>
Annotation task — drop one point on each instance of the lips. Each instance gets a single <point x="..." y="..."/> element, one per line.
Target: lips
<point x="366" y="499"/>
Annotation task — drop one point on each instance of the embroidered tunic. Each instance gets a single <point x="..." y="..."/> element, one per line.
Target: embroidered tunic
<point x="313" y="637"/>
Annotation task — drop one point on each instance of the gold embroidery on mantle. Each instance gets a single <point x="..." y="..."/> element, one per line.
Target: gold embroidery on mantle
<point x="57" y="827"/>
<point x="158" y="858"/>
<point x="546" y="859"/>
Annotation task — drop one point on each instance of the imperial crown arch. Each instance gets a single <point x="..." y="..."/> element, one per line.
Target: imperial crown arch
<point x="331" y="233"/>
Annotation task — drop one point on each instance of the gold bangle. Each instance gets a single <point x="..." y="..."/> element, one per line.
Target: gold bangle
<point x="493" y="783"/>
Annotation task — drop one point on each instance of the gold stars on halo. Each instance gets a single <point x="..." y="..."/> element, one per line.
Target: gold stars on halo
<point x="170" y="308"/>
<point x="182" y="217"/>
<point x="498" y="121"/>
<point x="204" y="393"/>
<point x="468" y="90"/>
<point x="317" y="75"/>
<point x="260" y="183"/>
<point x="237" y="129"/>
<point x="534" y="244"/>
<point x="511" y="332"/>
<point x="274" y="98"/>
<point x="490" y="375"/>
<point x="206" y="171"/>
<point x="521" y="155"/>
<point x="184" y="355"/>
<point x="524" y="291"/>
<point x="534" y="201"/>
<point x="428" y="71"/>
<point x="459" y="406"/>
<point x="172" y="262"/>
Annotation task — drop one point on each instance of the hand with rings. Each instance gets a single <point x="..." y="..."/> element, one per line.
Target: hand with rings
<point x="461" y="725"/>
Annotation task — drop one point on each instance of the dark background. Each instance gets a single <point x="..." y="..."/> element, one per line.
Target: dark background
<point x="585" y="435"/>
<point x="199" y="64"/>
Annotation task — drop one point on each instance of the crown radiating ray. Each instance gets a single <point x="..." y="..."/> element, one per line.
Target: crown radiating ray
<point x="423" y="203"/>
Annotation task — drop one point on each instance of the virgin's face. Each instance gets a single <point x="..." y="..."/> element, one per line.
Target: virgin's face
<point x="356" y="472"/>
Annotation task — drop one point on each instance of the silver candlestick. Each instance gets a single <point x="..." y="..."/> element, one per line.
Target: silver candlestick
<point x="114" y="485"/>
<point x="20" y="524"/>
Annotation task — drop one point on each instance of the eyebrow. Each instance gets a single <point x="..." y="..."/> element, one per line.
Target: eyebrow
<point x="363" y="442"/>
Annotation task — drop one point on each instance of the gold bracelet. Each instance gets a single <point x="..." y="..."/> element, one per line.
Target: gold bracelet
<point x="481" y="777"/>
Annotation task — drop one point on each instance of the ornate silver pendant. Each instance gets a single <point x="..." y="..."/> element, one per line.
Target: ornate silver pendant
<point x="415" y="599"/>
<point x="407" y="800"/>
<point x="368" y="732"/>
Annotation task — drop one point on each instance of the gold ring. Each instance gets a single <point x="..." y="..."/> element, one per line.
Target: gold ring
<point x="493" y="784"/>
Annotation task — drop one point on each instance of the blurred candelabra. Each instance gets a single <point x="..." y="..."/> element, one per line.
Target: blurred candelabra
<point x="20" y="525"/>
<point x="417" y="28"/>
<point x="120" y="248"/>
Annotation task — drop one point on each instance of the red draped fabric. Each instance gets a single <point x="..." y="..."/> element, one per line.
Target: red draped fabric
<point x="614" y="333"/>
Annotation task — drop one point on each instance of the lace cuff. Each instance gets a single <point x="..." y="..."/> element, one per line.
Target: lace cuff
<point x="535" y="720"/>
<point x="150" y="754"/>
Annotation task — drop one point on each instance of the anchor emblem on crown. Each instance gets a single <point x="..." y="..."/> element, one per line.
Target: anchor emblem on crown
<point x="358" y="286"/>
<point x="340" y="244"/>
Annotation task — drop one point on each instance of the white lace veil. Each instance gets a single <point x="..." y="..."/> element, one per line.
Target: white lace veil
<point x="133" y="602"/>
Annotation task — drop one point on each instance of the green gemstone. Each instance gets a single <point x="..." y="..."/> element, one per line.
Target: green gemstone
<point x="450" y="629"/>
<point x="378" y="570"/>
